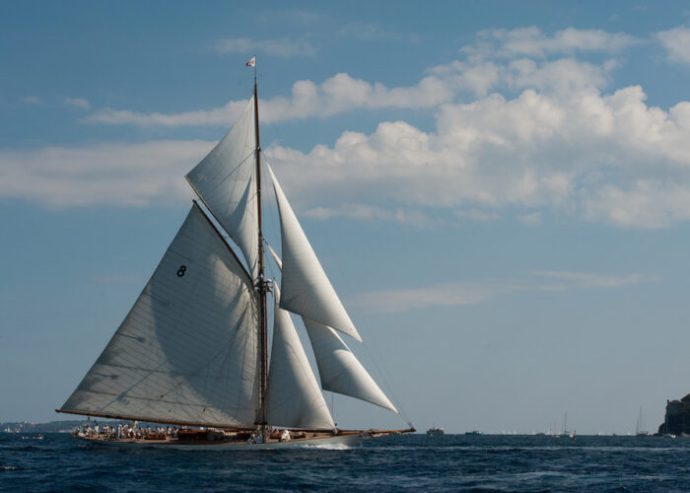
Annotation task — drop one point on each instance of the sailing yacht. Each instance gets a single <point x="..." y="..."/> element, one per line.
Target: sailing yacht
<point x="192" y="354"/>
<point x="639" y="426"/>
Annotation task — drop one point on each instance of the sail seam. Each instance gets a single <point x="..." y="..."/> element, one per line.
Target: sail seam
<point x="234" y="170"/>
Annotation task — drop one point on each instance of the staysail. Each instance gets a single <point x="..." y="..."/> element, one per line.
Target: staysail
<point x="225" y="181"/>
<point x="187" y="350"/>
<point x="294" y="398"/>
<point x="339" y="368"/>
<point x="305" y="287"/>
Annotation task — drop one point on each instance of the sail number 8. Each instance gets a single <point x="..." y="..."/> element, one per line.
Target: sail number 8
<point x="181" y="271"/>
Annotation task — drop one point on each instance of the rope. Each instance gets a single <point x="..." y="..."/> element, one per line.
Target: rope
<point x="389" y="387"/>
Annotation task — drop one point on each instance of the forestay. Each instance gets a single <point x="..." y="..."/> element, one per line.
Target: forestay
<point x="225" y="182"/>
<point x="187" y="351"/>
<point x="339" y="368"/>
<point x="294" y="398"/>
<point x="305" y="287"/>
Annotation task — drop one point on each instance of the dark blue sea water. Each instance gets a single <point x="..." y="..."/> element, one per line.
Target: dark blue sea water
<point x="403" y="463"/>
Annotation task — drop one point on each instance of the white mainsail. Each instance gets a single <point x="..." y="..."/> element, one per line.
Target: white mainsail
<point x="339" y="368"/>
<point x="305" y="286"/>
<point x="187" y="350"/>
<point x="293" y="397"/>
<point x="225" y="182"/>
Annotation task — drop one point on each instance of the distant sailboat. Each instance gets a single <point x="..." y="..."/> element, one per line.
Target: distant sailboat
<point x="639" y="426"/>
<point x="193" y="350"/>
<point x="564" y="433"/>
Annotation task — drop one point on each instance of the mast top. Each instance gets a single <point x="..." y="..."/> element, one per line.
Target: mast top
<point x="252" y="63"/>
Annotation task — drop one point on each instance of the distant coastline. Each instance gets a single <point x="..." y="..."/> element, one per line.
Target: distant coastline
<point x="67" y="426"/>
<point x="49" y="427"/>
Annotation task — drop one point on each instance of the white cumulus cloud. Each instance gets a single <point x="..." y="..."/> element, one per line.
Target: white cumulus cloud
<point x="538" y="133"/>
<point x="517" y="64"/>
<point x="676" y="42"/>
<point x="111" y="174"/>
<point x="338" y="94"/>
<point x="604" y="157"/>
<point x="533" y="42"/>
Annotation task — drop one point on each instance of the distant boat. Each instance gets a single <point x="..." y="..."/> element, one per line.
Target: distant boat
<point x="639" y="426"/>
<point x="435" y="431"/>
<point x="473" y="433"/>
<point x="193" y="350"/>
<point x="565" y="433"/>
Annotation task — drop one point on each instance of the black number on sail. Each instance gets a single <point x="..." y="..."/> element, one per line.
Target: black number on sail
<point x="181" y="271"/>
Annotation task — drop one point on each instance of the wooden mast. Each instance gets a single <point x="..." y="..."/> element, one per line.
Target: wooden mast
<point x="262" y="285"/>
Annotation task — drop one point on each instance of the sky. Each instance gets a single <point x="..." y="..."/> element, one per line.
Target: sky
<point x="499" y="192"/>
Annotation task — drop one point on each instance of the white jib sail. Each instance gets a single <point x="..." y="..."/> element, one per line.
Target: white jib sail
<point x="293" y="398"/>
<point x="225" y="182"/>
<point x="187" y="350"/>
<point x="339" y="368"/>
<point x="305" y="287"/>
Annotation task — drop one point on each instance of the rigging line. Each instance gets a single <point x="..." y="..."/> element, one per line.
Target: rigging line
<point x="403" y="415"/>
<point x="333" y="407"/>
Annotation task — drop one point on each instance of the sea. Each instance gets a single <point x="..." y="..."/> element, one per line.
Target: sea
<point x="55" y="462"/>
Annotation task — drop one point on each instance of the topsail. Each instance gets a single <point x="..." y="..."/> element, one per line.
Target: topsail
<point x="225" y="182"/>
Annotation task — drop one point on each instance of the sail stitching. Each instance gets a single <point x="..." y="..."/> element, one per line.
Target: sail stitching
<point x="234" y="170"/>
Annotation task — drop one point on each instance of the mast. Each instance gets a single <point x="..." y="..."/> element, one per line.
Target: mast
<point x="262" y="285"/>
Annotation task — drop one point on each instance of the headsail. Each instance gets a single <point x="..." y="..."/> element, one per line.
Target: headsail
<point x="294" y="398"/>
<point x="339" y="368"/>
<point x="305" y="286"/>
<point x="187" y="350"/>
<point x="225" y="182"/>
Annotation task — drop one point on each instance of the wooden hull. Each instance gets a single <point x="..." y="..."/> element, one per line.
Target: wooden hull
<point x="346" y="440"/>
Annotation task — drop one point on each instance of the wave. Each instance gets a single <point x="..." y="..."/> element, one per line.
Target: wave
<point x="324" y="446"/>
<point x="527" y="448"/>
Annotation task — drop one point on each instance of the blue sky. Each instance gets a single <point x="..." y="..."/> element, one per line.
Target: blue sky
<point x="500" y="192"/>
